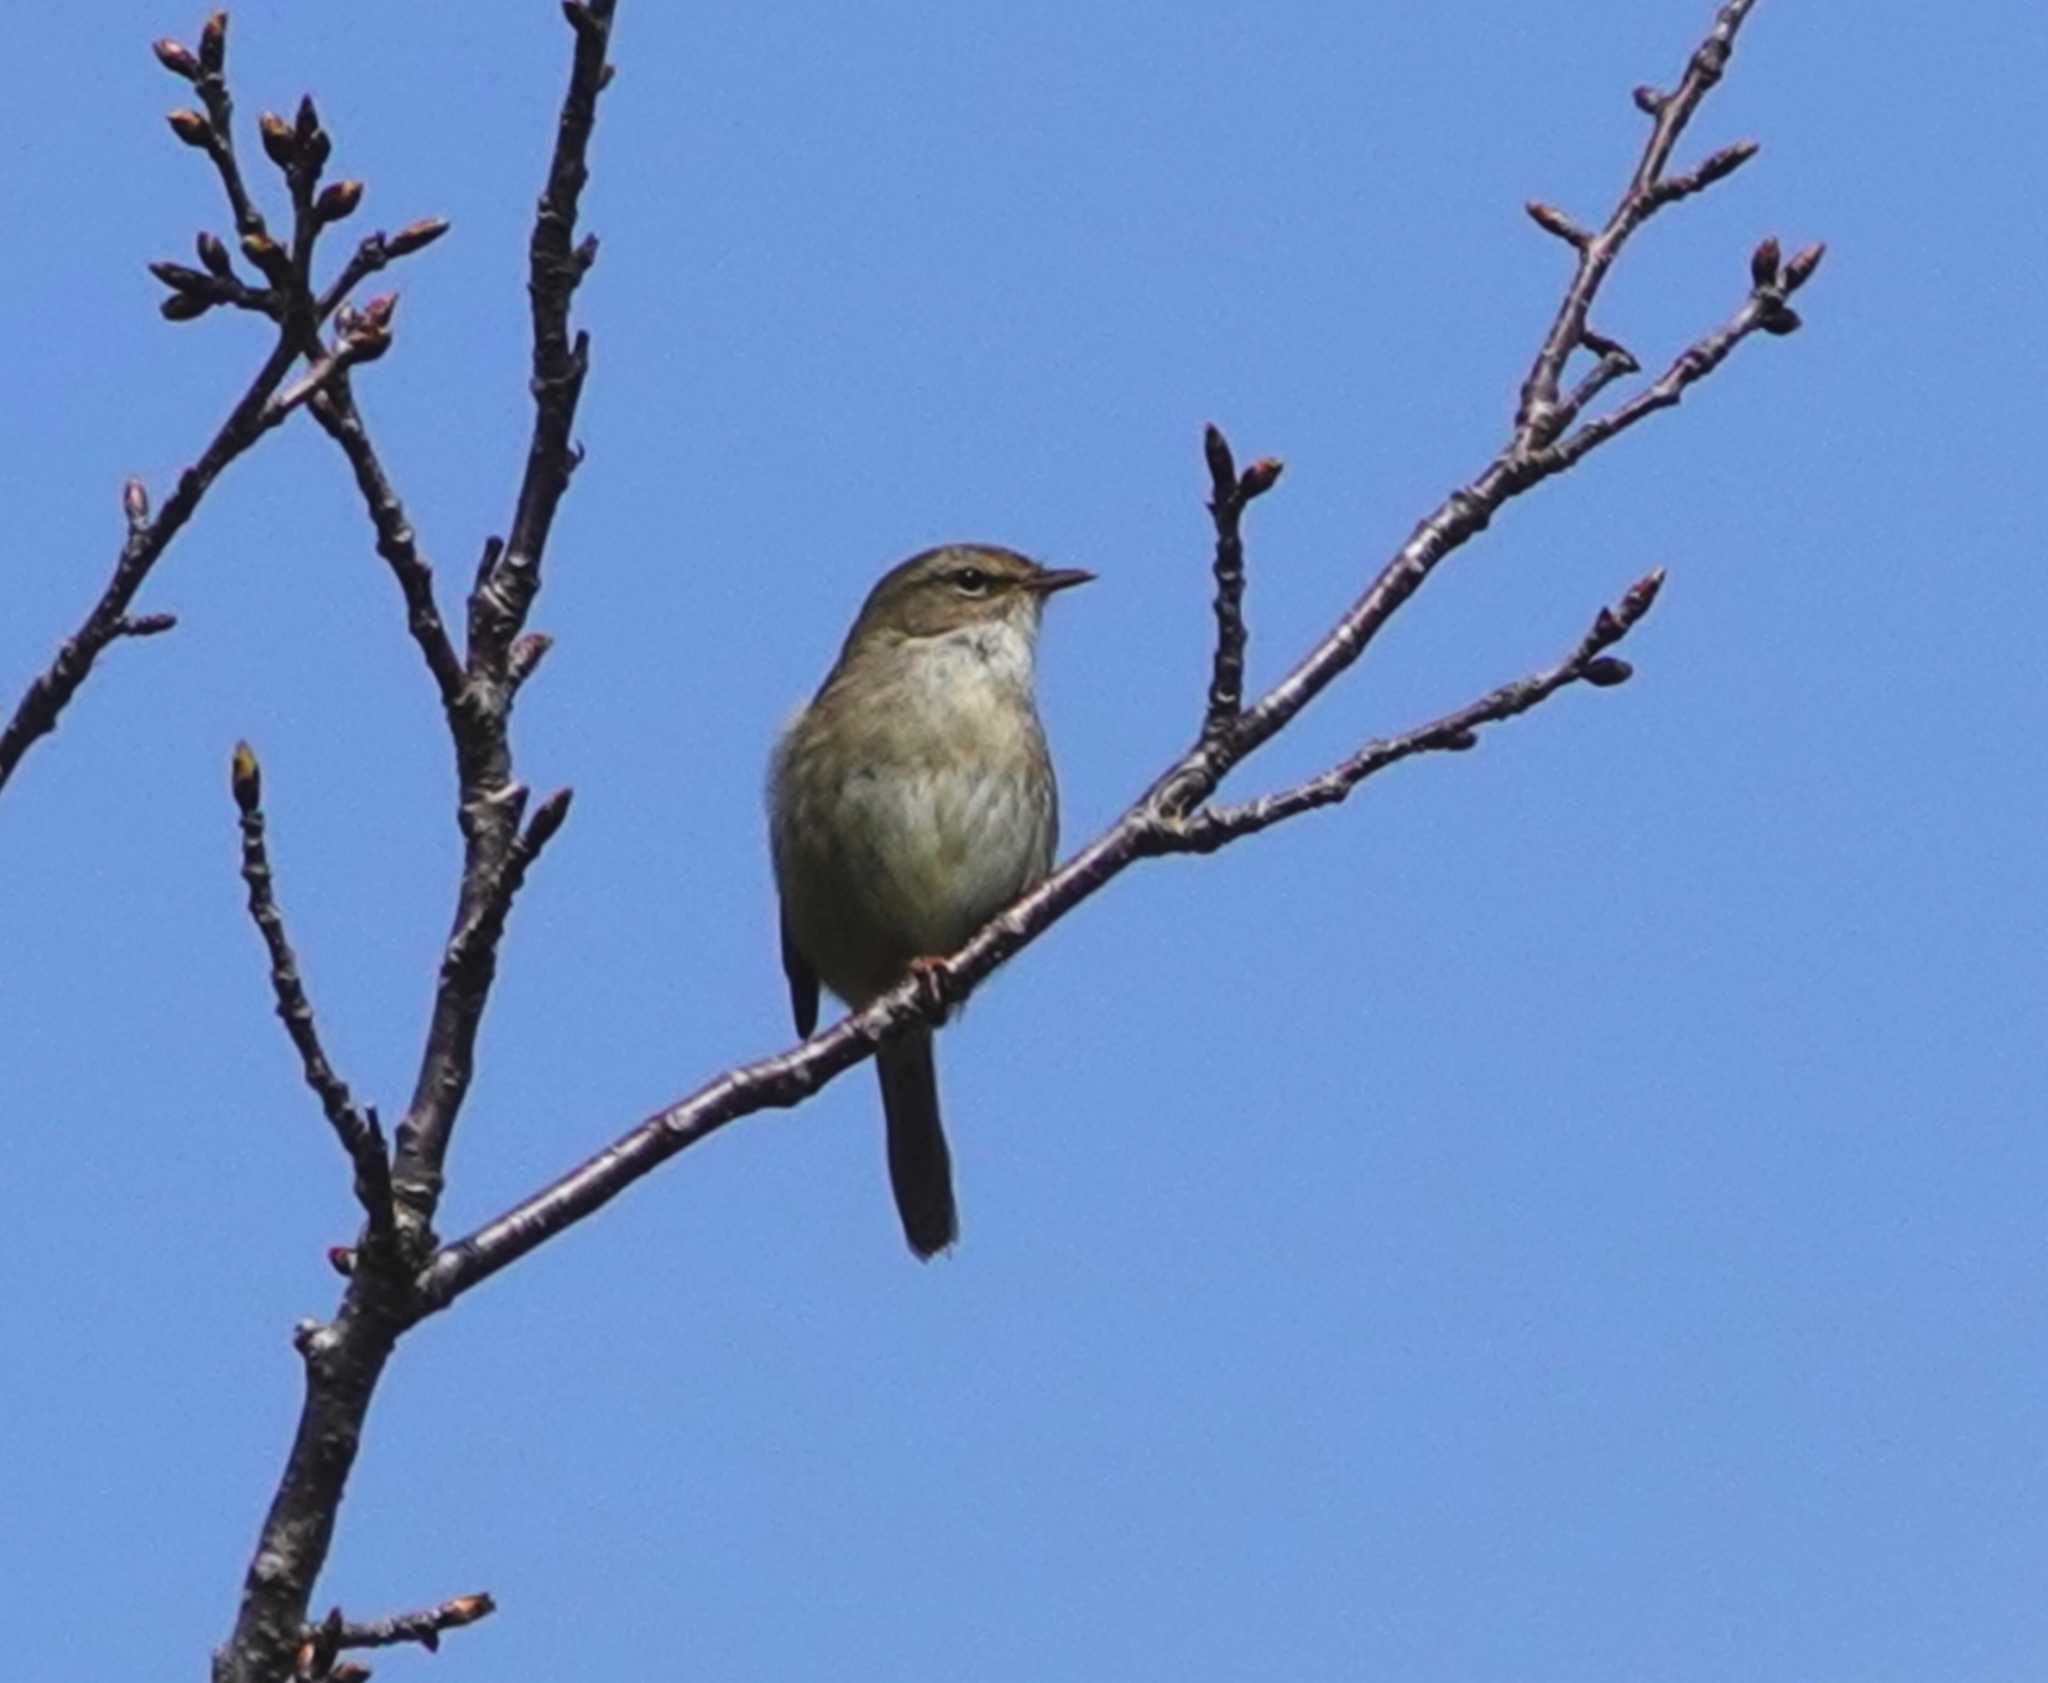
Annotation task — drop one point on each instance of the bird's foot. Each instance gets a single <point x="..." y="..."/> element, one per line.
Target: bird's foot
<point x="934" y="979"/>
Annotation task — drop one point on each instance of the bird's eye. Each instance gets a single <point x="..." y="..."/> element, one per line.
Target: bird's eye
<point x="971" y="581"/>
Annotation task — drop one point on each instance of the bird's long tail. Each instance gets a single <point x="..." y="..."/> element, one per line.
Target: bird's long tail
<point x="920" y="1168"/>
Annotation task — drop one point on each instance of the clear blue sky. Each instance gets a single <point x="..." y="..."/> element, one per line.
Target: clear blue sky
<point x="1575" y="1214"/>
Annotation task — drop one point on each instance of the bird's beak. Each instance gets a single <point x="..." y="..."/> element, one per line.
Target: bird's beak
<point x="1049" y="579"/>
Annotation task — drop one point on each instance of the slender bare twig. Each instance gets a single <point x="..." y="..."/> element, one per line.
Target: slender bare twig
<point x="1669" y="114"/>
<point x="1217" y="826"/>
<point x="335" y="1635"/>
<point x="193" y="292"/>
<point x="1169" y="817"/>
<point x="357" y="1130"/>
<point x="1229" y="494"/>
<point x="340" y="419"/>
<point x="479" y="716"/>
<point x="261" y="407"/>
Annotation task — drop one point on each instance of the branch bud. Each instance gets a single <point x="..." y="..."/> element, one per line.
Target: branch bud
<point x="1639" y="597"/>
<point x="148" y="625"/>
<point x="1554" y="221"/>
<point x="213" y="43"/>
<point x="1459" y="742"/>
<point x="176" y="57"/>
<point x="135" y="502"/>
<point x="1800" y="270"/>
<point x="1648" y="100"/>
<point x="1782" y="321"/>
<point x="1763" y="263"/>
<point x="416" y="235"/>
<point x="1725" y="162"/>
<point x="342" y="1259"/>
<point x="191" y="128"/>
<point x="277" y="138"/>
<point x="379" y="310"/>
<point x="1607" y="671"/>
<point x="1260" y="477"/>
<point x="467" y="1609"/>
<point x="348" y="1671"/>
<point x="184" y="306"/>
<point x="214" y="255"/>
<point x="308" y="124"/>
<point x="179" y="278"/>
<point x="268" y="256"/>
<point x="337" y="200"/>
<point x="245" y="778"/>
<point x="547" y="819"/>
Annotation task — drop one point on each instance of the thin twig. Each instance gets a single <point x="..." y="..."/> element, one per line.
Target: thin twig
<point x="1535" y="423"/>
<point x="261" y="407"/>
<point x="358" y="1131"/>
<point x="1230" y="493"/>
<point x="1217" y="826"/>
<point x="479" y="716"/>
<point x="334" y="1634"/>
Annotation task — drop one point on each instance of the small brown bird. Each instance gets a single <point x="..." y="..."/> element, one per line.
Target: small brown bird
<point x="909" y="803"/>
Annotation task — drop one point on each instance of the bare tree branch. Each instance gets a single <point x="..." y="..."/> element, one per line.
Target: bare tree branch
<point x="335" y="1635"/>
<point x="1229" y="494"/>
<point x="479" y="715"/>
<point x="1168" y="817"/>
<point x="263" y="406"/>
<point x="358" y="1131"/>
<point x="1216" y="826"/>
<point x="345" y="1358"/>
<point x="392" y="1287"/>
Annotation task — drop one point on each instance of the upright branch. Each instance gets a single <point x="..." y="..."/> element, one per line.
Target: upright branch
<point x="345" y="1357"/>
<point x="1173" y="815"/>
<point x="490" y="803"/>
<point x="1230" y="492"/>
<point x="357" y="1130"/>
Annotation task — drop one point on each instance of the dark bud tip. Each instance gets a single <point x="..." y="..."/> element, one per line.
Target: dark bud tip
<point x="467" y="1609"/>
<point x="1462" y="741"/>
<point x="341" y="1259"/>
<point x="266" y="254"/>
<point x="1800" y="270"/>
<point x="1260" y="477"/>
<point x="379" y="310"/>
<point x="135" y="501"/>
<point x="149" y="625"/>
<point x="184" y="306"/>
<point x="308" y="124"/>
<point x="604" y="77"/>
<point x="415" y="235"/>
<point x="1782" y="321"/>
<point x="177" y="58"/>
<point x="213" y="43"/>
<point x="190" y="127"/>
<point x="1648" y="100"/>
<point x="214" y="255"/>
<point x="338" y="199"/>
<point x="1607" y="671"/>
<point x="245" y="777"/>
<point x="348" y="1671"/>
<point x="1763" y="263"/>
<point x="1606" y="628"/>
<point x="276" y="134"/>
<point x="1216" y="448"/>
